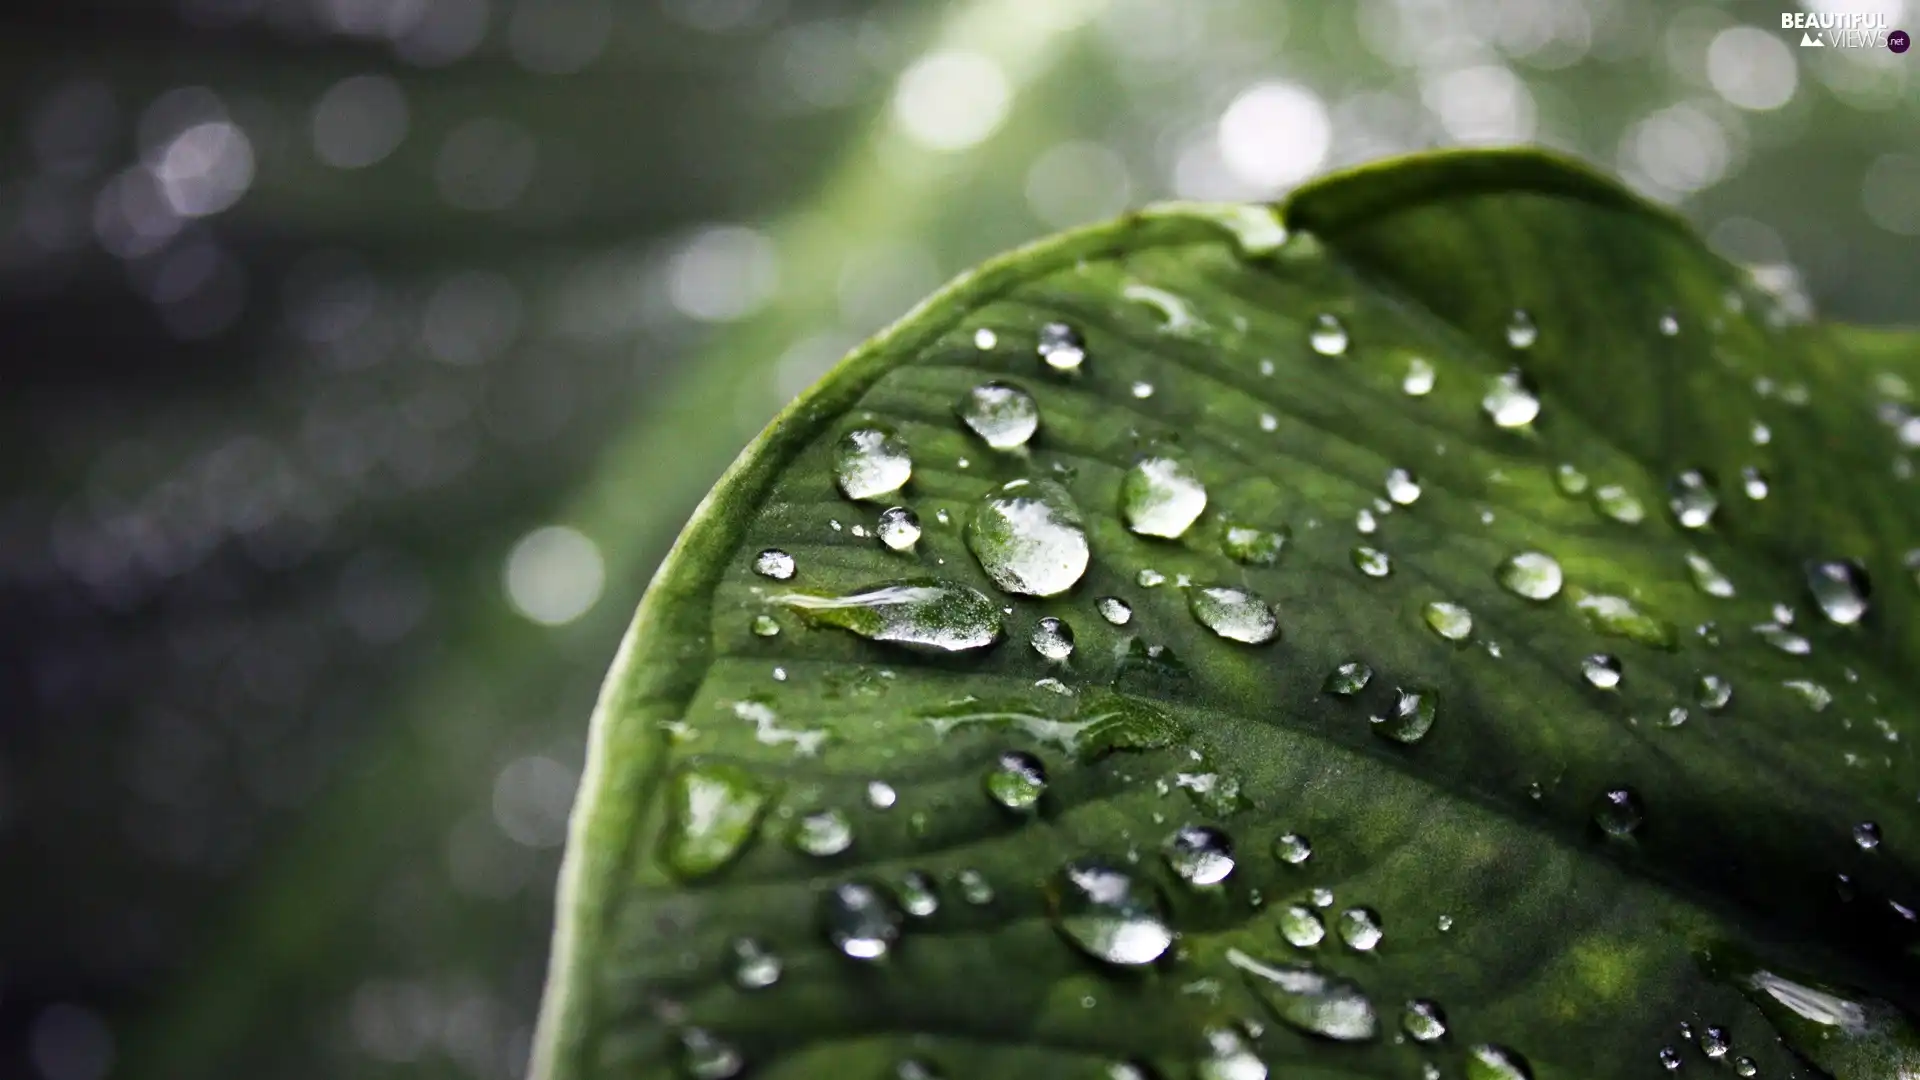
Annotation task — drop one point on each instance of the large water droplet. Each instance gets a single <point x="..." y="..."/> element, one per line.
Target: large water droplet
<point x="706" y="1056"/>
<point x="1348" y="679"/>
<point x="1509" y="403"/>
<point x="1411" y="717"/>
<point x="1308" y="999"/>
<point x="1029" y="538"/>
<point x="1490" y="1061"/>
<point x="1060" y="347"/>
<point x="1016" y="781"/>
<point x="1707" y="577"/>
<point x="1532" y="574"/>
<point x="1301" y="926"/>
<point x="1402" y="486"/>
<point x="1692" y="499"/>
<point x="899" y="528"/>
<point x="826" y="832"/>
<point x="1423" y="1021"/>
<point x="1360" y="928"/>
<point x="1841" y="588"/>
<point x="1161" y="497"/>
<point x="1449" y="620"/>
<point x="773" y="563"/>
<point x="1521" y="333"/>
<point x="1108" y="914"/>
<point x="1617" y="811"/>
<point x="1371" y="561"/>
<point x="1253" y="547"/>
<point x="925" y="613"/>
<point x="869" y="463"/>
<point x="1292" y="849"/>
<point x="1052" y="638"/>
<point x="1003" y="415"/>
<point x="860" y="920"/>
<point x="1619" y="504"/>
<point x="1234" y="614"/>
<point x="1328" y="336"/>
<point x="755" y="966"/>
<point x="712" y="812"/>
<point x="1199" y="854"/>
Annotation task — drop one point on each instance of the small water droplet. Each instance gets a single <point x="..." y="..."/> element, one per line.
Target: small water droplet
<point x="1746" y="1067"/>
<point x="916" y="1069"/>
<point x="1402" y="486"/>
<point x="860" y="920"/>
<point x="1269" y="422"/>
<point x="1360" y="928"/>
<point x="1003" y="415"/>
<point x="1669" y="1058"/>
<point x="1419" y="379"/>
<point x="1619" y="504"/>
<point x="1052" y="638"/>
<point x="1423" y="1021"/>
<point x="1365" y="523"/>
<point x="1060" y="347"/>
<point x="1228" y="1057"/>
<point x="918" y="897"/>
<point x="1253" y="547"/>
<point x="1301" y="926"/>
<point x="1348" y="679"/>
<point x="1692" y="499"/>
<point x="1321" y="897"/>
<point x="773" y="563"/>
<point x="1372" y="561"/>
<point x="899" y="528"/>
<point x="755" y="966"/>
<point x="1509" y="403"/>
<point x="1521" y="333"/>
<point x="1292" y="849"/>
<point x="975" y="889"/>
<point x="1448" y="619"/>
<point x="1815" y="695"/>
<point x="1712" y="693"/>
<point x="1531" y="574"/>
<point x="1108" y="914"/>
<point x="1199" y="854"/>
<point x="872" y="462"/>
<point x="1161" y="497"/>
<point x="1307" y="999"/>
<point x="708" y="1057"/>
<point x="1669" y="324"/>
<point x="1777" y="635"/>
<point x="1114" y="610"/>
<point x="1029" y="538"/>
<point x="1148" y="578"/>
<point x="1618" y="812"/>
<point x="1715" y="1042"/>
<point x="1445" y="923"/>
<point x="928" y="614"/>
<point x="1867" y="835"/>
<point x="1016" y="781"/>
<point x="1707" y="577"/>
<point x="1328" y="336"/>
<point x="984" y="339"/>
<point x="1841" y="588"/>
<point x="1570" y="480"/>
<point x="765" y="626"/>
<point x="1142" y="390"/>
<point x="1234" y="614"/>
<point x="1617" y="616"/>
<point x="1491" y="1061"/>
<point x="1754" y="483"/>
<point x="1411" y="717"/>
<point x="880" y="795"/>
<point x="823" y="833"/>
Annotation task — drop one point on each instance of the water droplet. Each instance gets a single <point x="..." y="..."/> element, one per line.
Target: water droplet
<point x="869" y="463"/>
<point x="1707" y="577"/>
<point x="880" y="795"/>
<point x="755" y="966"/>
<point x="1449" y="620"/>
<point x="1619" y="504"/>
<point x="1509" y="403"/>
<point x="1107" y="914"/>
<point x="1445" y="923"/>
<point x="1618" y="617"/>
<point x="1746" y="1067"/>
<point x="1669" y="1058"/>
<point x="1269" y="422"/>
<point x="1328" y="336"/>
<point x="1419" y="378"/>
<point x="826" y="832"/>
<point x="1143" y="390"/>
<point x="1532" y="574"/>
<point x="1816" y="696"/>
<point x="1199" y="854"/>
<point x="1253" y="547"/>
<point x="1301" y="926"/>
<point x="765" y="626"/>
<point x="1754" y="483"/>
<point x="773" y="563"/>
<point x="1321" y="897"/>
<point x="1841" y="588"/>
<point x="915" y="1069"/>
<point x="1669" y="324"/>
<point x="1360" y="928"/>
<point x="975" y="889"/>
<point x="1017" y="780"/>
<point x="1866" y="835"/>
<point x="1712" y="693"/>
<point x="1052" y="638"/>
<point x="712" y="812"/>
<point x="1371" y="561"/>
<point x="1348" y="679"/>
<point x="1308" y="999"/>
<point x="1114" y="610"/>
<point x="1149" y="578"/>
<point x="1913" y="566"/>
<point x="860" y="919"/>
<point x="918" y="897"/>
<point x="984" y="339"/>
<point x="1715" y="1042"/>
<point x="1777" y="635"/>
<point x="1234" y="614"/>
<point x="929" y="614"/>
<point x="899" y="528"/>
<point x="1029" y="538"/>
<point x="1491" y="1061"/>
<point x="1061" y="348"/>
<point x="1228" y="1057"/>
<point x="1570" y="480"/>
<point x="1692" y="499"/>
<point x="1402" y="486"/>
<point x="1521" y="333"/>
<point x="707" y="1057"/>
<point x="1411" y="717"/>
<point x="1618" y="812"/>
<point x="1161" y="497"/>
<point x="1423" y="1020"/>
<point x="1292" y="849"/>
<point x="1003" y="415"/>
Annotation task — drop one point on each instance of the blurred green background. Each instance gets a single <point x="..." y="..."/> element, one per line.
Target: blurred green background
<point x="360" y="358"/>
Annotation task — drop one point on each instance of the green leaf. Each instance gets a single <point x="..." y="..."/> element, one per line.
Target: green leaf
<point x="1489" y="612"/>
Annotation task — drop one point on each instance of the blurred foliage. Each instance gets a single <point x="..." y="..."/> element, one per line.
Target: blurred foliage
<point x="291" y="370"/>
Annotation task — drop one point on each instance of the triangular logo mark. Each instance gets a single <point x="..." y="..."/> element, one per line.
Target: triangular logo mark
<point x="1808" y="41"/>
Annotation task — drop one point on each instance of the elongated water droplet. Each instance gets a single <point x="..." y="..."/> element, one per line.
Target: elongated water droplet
<point x="1419" y="379"/>
<point x="1052" y="638"/>
<point x="899" y="528"/>
<point x="1423" y="1021"/>
<point x="1867" y="835"/>
<point x="1692" y="499"/>
<point x="1301" y="926"/>
<point x="1360" y="928"/>
<point x="1161" y="497"/>
<point x="1618" y="812"/>
<point x="1108" y="914"/>
<point x="1411" y="717"/>
<point x="1712" y="693"/>
<point x="1029" y="538"/>
<point x="1060" y="347"/>
<point x="773" y="563"/>
<point x="755" y="966"/>
<point x="1816" y="696"/>
<point x="1509" y="403"/>
<point x="1199" y="854"/>
<point x="1292" y="849"/>
<point x="869" y="463"/>
<point x="1532" y="574"/>
<point x="1348" y="679"/>
<point x="1229" y="1057"/>
<point x="1449" y="620"/>
<point x="1308" y="999"/>
<point x="1234" y="614"/>
<point x="712" y="813"/>
<point x="1253" y="547"/>
<point x="1328" y="336"/>
<point x="1114" y="610"/>
<point x="1618" y="617"/>
<point x="1777" y="635"/>
<point x="1619" y="504"/>
<point x="1016" y="781"/>
<point x="1707" y="577"/>
<point x="1003" y="415"/>
<point x="1402" y="486"/>
<point x="706" y="1056"/>
<point x="918" y="896"/>
<point x="1521" y="333"/>
<point x="924" y="613"/>
<point x="826" y="832"/>
<point x="1491" y="1061"/>
<point x="1371" y="561"/>
<point x="1841" y="588"/>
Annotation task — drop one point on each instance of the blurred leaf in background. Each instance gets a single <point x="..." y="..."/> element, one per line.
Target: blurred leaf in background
<point x="361" y="357"/>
